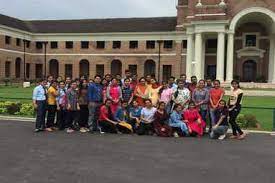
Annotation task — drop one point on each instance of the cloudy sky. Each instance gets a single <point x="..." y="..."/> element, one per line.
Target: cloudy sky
<point x="75" y="9"/>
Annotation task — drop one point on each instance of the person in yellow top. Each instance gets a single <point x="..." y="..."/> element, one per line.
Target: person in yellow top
<point x="51" y="108"/>
<point x="154" y="92"/>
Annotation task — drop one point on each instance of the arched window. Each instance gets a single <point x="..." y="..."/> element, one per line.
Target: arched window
<point x="54" y="68"/>
<point x="116" y="67"/>
<point x="84" y="68"/>
<point x="149" y="67"/>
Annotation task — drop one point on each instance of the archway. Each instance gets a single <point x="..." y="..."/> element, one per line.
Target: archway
<point x="18" y="67"/>
<point x="249" y="71"/>
<point x="116" y="67"/>
<point x="84" y="68"/>
<point x="149" y="67"/>
<point x="54" y="68"/>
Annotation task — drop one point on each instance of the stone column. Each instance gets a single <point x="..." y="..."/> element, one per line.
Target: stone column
<point x="198" y="55"/>
<point x="203" y="59"/>
<point x="271" y="59"/>
<point x="230" y="57"/>
<point x="189" y="57"/>
<point x="220" y="56"/>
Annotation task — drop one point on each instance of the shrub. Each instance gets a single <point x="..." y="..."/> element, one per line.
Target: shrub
<point x="12" y="108"/>
<point x="26" y="110"/>
<point x="247" y="121"/>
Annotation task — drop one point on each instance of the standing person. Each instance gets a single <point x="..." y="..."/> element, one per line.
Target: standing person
<point x="109" y="78"/>
<point x="134" y="81"/>
<point x="39" y="104"/>
<point x="215" y="96"/>
<point x="147" y="118"/>
<point x="221" y="126"/>
<point x="142" y="91"/>
<point x="200" y="97"/>
<point x="181" y="95"/>
<point x="84" y="109"/>
<point x="72" y="107"/>
<point x="51" y="107"/>
<point x="177" y="123"/>
<point x="49" y="81"/>
<point x="160" y="122"/>
<point x="166" y="96"/>
<point x="114" y="93"/>
<point x="183" y="77"/>
<point x="68" y="83"/>
<point x="135" y="114"/>
<point x="193" y="85"/>
<point x="127" y="91"/>
<point x="61" y="102"/>
<point x="154" y="92"/>
<point x="95" y="97"/>
<point x="104" y="84"/>
<point x="128" y="75"/>
<point x="122" y="116"/>
<point x="194" y="121"/>
<point x="171" y="83"/>
<point x="148" y="80"/>
<point x="119" y="79"/>
<point x="209" y="85"/>
<point x="235" y="105"/>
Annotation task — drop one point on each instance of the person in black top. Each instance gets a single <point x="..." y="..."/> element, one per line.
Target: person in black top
<point x="219" y="130"/>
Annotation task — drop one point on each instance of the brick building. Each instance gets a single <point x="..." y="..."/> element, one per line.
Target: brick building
<point x="218" y="38"/>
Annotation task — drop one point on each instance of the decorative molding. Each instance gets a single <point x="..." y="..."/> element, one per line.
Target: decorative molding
<point x="250" y="52"/>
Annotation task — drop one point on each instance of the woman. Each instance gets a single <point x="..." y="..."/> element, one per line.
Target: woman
<point x="215" y="96"/>
<point x="114" y="93"/>
<point x="221" y="126"/>
<point x="160" y="122"/>
<point x="84" y="110"/>
<point x="201" y="98"/>
<point x="235" y="105"/>
<point x="181" y="95"/>
<point x="105" y="84"/>
<point x="177" y="123"/>
<point x="141" y="91"/>
<point x="127" y="91"/>
<point x="123" y="118"/>
<point x="194" y="121"/>
<point x="135" y="114"/>
<point x="166" y="96"/>
<point x="154" y="92"/>
<point x="147" y="117"/>
<point x="61" y="102"/>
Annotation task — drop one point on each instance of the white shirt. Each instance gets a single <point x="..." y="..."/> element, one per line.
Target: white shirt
<point x="148" y="114"/>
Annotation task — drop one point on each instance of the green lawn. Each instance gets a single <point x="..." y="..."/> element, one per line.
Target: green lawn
<point x="264" y="116"/>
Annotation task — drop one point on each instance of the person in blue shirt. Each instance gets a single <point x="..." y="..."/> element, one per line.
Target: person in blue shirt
<point x="39" y="101"/>
<point x="95" y="97"/>
<point x="177" y="123"/>
<point x="123" y="118"/>
<point x="135" y="114"/>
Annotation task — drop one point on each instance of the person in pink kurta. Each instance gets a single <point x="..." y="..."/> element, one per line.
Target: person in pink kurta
<point x="114" y="93"/>
<point x="194" y="121"/>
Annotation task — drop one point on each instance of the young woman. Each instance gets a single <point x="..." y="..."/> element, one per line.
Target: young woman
<point x="141" y="91"/>
<point x="123" y="118"/>
<point x="215" y="96"/>
<point x="194" y="120"/>
<point x="181" y="95"/>
<point x="51" y="107"/>
<point x="114" y="93"/>
<point x="166" y="96"/>
<point x="154" y="92"/>
<point x="127" y="91"/>
<point x="160" y="122"/>
<point x="135" y="114"/>
<point x="147" y="117"/>
<point x="221" y="126"/>
<point x="235" y="105"/>
<point x="177" y="123"/>
<point x="61" y="102"/>
<point x="200" y="97"/>
<point x="84" y="110"/>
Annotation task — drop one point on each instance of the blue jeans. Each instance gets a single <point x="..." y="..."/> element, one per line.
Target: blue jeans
<point x="180" y="125"/>
<point x="203" y="114"/>
<point x="212" y="116"/>
<point x="40" y="114"/>
<point x="93" y="115"/>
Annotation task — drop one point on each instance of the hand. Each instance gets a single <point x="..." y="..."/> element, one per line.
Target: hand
<point x="78" y="108"/>
<point x="216" y="126"/>
<point x="35" y="106"/>
<point x="58" y="108"/>
<point x="69" y="107"/>
<point x="162" y="129"/>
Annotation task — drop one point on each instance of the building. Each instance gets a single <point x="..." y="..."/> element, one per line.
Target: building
<point x="223" y="39"/>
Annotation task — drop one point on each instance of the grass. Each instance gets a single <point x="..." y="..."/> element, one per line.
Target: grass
<point x="264" y="116"/>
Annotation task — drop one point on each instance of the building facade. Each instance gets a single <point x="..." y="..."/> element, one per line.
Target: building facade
<point x="222" y="39"/>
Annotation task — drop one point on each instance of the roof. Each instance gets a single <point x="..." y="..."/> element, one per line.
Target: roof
<point x="151" y="24"/>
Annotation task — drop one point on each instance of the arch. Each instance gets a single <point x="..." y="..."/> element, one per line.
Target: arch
<point x="18" y="67"/>
<point x="84" y="68"/>
<point x="54" y="68"/>
<point x="116" y="67"/>
<point x="149" y="67"/>
<point x="247" y="11"/>
<point x="249" y="71"/>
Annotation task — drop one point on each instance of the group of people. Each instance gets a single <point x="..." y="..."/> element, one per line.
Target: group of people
<point x="112" y="104"/>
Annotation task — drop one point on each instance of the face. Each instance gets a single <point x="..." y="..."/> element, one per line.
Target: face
<point x="135" y="104"/>
<point x="134" y="77"/>
<point x="221" y="104"/>
<point x="142" y="81"/>
<point x="165" y="84"/>
<point x="54" y="84"/>
<point x="124" y="105"/>
<point x="127" y="82"/>
<point x="148" y="103"/>
<point x="192" y="106"/>
<point x="235" y="85"/>
<point x="216" y="84"/>
<point x="44" y="83"/>
<point x="104" y="82"/>
<point x="114" y="82"/>
<point x="208" y="82"/>
<point x="74" y="85"/>
<point x="118" y="77"/>
<point x="201" y="84"/>
<point x="148" y="78"/>
<point x="62" y="85"/>
<point x="97" y="79"/>
<point x="183" y="77"/>
<point x="68" y="80"/>
<point x="108" y="103"/>
<point x="179" y="108"/>
<point x="84" y="82"/>
<point x="108" y="78"/>
<point x="171" y="81"/>
<point x="162" y="106"/>
<point x="180" y="85"/>
<point x="194" y="80"/>
<point x="91" y="81"/>
<point x="50" y="78"/>
<point x="128" y="74"/>
<point x="153" y="81"/>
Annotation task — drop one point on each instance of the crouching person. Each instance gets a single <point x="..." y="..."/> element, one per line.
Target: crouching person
<point x="160" y="123"/>
<point x="123" y="118"/>
<point x="177" y="123"/>
<point x="220" y="128"/>
<point x="135" y="114"/>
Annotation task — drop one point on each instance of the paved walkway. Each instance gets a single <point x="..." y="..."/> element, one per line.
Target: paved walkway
<point x="80" y="158"/>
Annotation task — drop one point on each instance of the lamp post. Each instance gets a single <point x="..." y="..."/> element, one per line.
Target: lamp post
<point x="159" y="52"/>
<point x="45" y="59"/>
<point x="24" y="60"/>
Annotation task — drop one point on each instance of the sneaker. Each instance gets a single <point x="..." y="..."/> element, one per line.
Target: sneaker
<point x="222" y="137"/>
<point x="176" y="135"/>
<point x="37" y="130"/>
<point x="48" y="130"/>
<point x="69" y="130"/>
<point x="241" y="137"/>
<point x="83" y="130"/>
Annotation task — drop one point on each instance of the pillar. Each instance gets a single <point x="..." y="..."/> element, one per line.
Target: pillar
<point x="198" y="55"/>
<point x="203" y="59"/>
<point x="271" y="59"/>
<point x="230" y="57"/>
<point x="220" y="56"/>
<point x="189" y="57"/>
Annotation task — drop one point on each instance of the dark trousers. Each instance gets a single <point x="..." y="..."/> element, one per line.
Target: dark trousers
<point x="71" y="118"/>
<point x="51" y="115"/>
<point x="83" y="116"/>
<point x="40" y="115"/>
<point x="232" y="120"/>
<point x="61" y="119"/>
<point x="145" y="129"/>
<point x="108" y="127"/>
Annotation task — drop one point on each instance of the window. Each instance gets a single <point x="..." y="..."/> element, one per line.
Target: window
<point x="18" y="42"/>
<point x="133" y="69"/>
<point x="100" y="69"/>
<point x="168" y="44"/>
<point x="184" y="44"/>
<point x="54" y="45"/>
<point x="68" y="70"/>
<point x="38" y="70"/>
<point x="69" y="44"/>
<point x="39" y="45"/>
<point x="84" y="44"/>
<point x="150" y="44"/>
<point x="28" y="68"/>
<point x="7" y="69"/>
<point x="100" y="44"/>
<point x="28" y="43"/>
<point x="133" y="44"/>
<point x="8" y="40"/>
<point x="211" y="43"/>
<point x="116" y="44"/>
<point x="250" y="40"/>
<point x="167" y="72"/>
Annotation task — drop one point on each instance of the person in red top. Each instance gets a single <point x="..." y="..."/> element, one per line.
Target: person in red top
<point x="215" y="96"/>
<point x="106" y="122"/>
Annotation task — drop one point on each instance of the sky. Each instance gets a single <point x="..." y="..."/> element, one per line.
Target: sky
<point x="86" y="9"/>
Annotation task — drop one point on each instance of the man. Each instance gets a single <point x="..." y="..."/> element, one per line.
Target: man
<point x="128" y="75"/>
<point x="52" y="94"/>
<point x="95" y="100"/>
<point x="209" y="85"/>
<point x="171" y="83"/>
<point x="49" y="81"/>
<point x="183" y="77"/>
<point x="68" y="83"/>
<point x="108" y="78"/>
<point x="39" y="104"/>
<point x="193" y="85"/>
